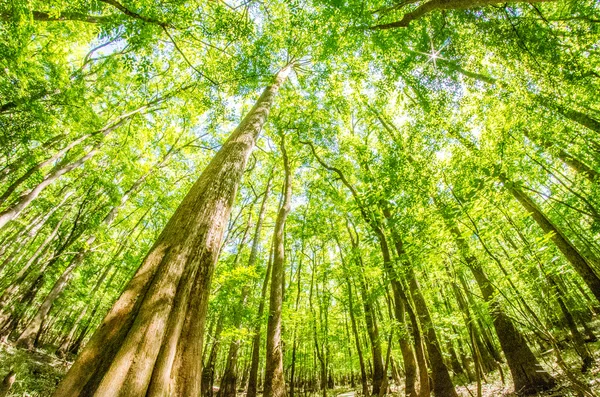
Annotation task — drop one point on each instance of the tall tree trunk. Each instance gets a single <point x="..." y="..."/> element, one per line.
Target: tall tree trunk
<point x="363" y="372"/>
<point x="442" y="383"/>
<point x="577" y="165"/>
<point x="293" y="379"/>
<point x="579" y="262"/>
<point x="13" y="186"/>
<point x="370" y="318"/>
<point x="578" y="342"/>
<point x="151" y="340"/>
<point x="25" y="199"/>
<point x="400" y="297"/>
<point x="274" y="377"/>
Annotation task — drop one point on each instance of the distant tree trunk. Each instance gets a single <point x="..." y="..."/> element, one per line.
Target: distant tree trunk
<point x="579" y="262"/>
<point x="253" y="374"/>
<point x="16" y="164"/>
<point x="64" y="346"/>
<point x="27" y="337"/>
<point x="293" y="379"/>
<point x="13" y="186"/>
<point x="442" y="383"/>
<point x="228" y="385"/>
<point x="24" y="200"/>
<point x="370" y="318"/>
<point x="20" y="276"/>
<point x="274" y="377"/>
<point x="363" y="372"/>
<point x="578" y="341"/>
<point x="151" y="341"/>
<point x="577" y="165"/>
<point x="400" y="298"/>
<point x="571" y="114"/>
<point x="208" y="372"/>
<point x="318" y="351"/>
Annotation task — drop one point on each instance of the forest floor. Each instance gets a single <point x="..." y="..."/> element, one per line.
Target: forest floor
<point x="38" y="373"/>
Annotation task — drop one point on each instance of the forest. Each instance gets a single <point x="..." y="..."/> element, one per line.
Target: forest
<point x="299" y="198"/>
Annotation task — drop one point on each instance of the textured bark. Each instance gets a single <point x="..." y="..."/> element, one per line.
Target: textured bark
<point x="151" y="340"/>
<point x="26" y="338"/>
<point x="274" y="378"/>
<point x="528" y="375"/>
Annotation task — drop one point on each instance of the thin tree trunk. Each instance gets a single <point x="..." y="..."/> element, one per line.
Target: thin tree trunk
<point x="151" y="340"/>
<point x="274" y="379"/>
<point x="253" y="375"/>
<point x="13" y="186"/>
<point x="24" y="200"/>
<point x="442" y="383"/>
<point x="363" y="372"/>
<point x="581" y="264"/>
<point x="208" y="372"/>
<point x="578" y="341"/>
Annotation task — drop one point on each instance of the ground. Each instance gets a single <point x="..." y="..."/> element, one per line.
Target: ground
<point x="38" y="373"/>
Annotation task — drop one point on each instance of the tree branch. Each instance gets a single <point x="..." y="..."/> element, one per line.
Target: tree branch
<point x="433" y="5"/>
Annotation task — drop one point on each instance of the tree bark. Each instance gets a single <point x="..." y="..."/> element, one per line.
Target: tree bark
<point x="151" y="340"/>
